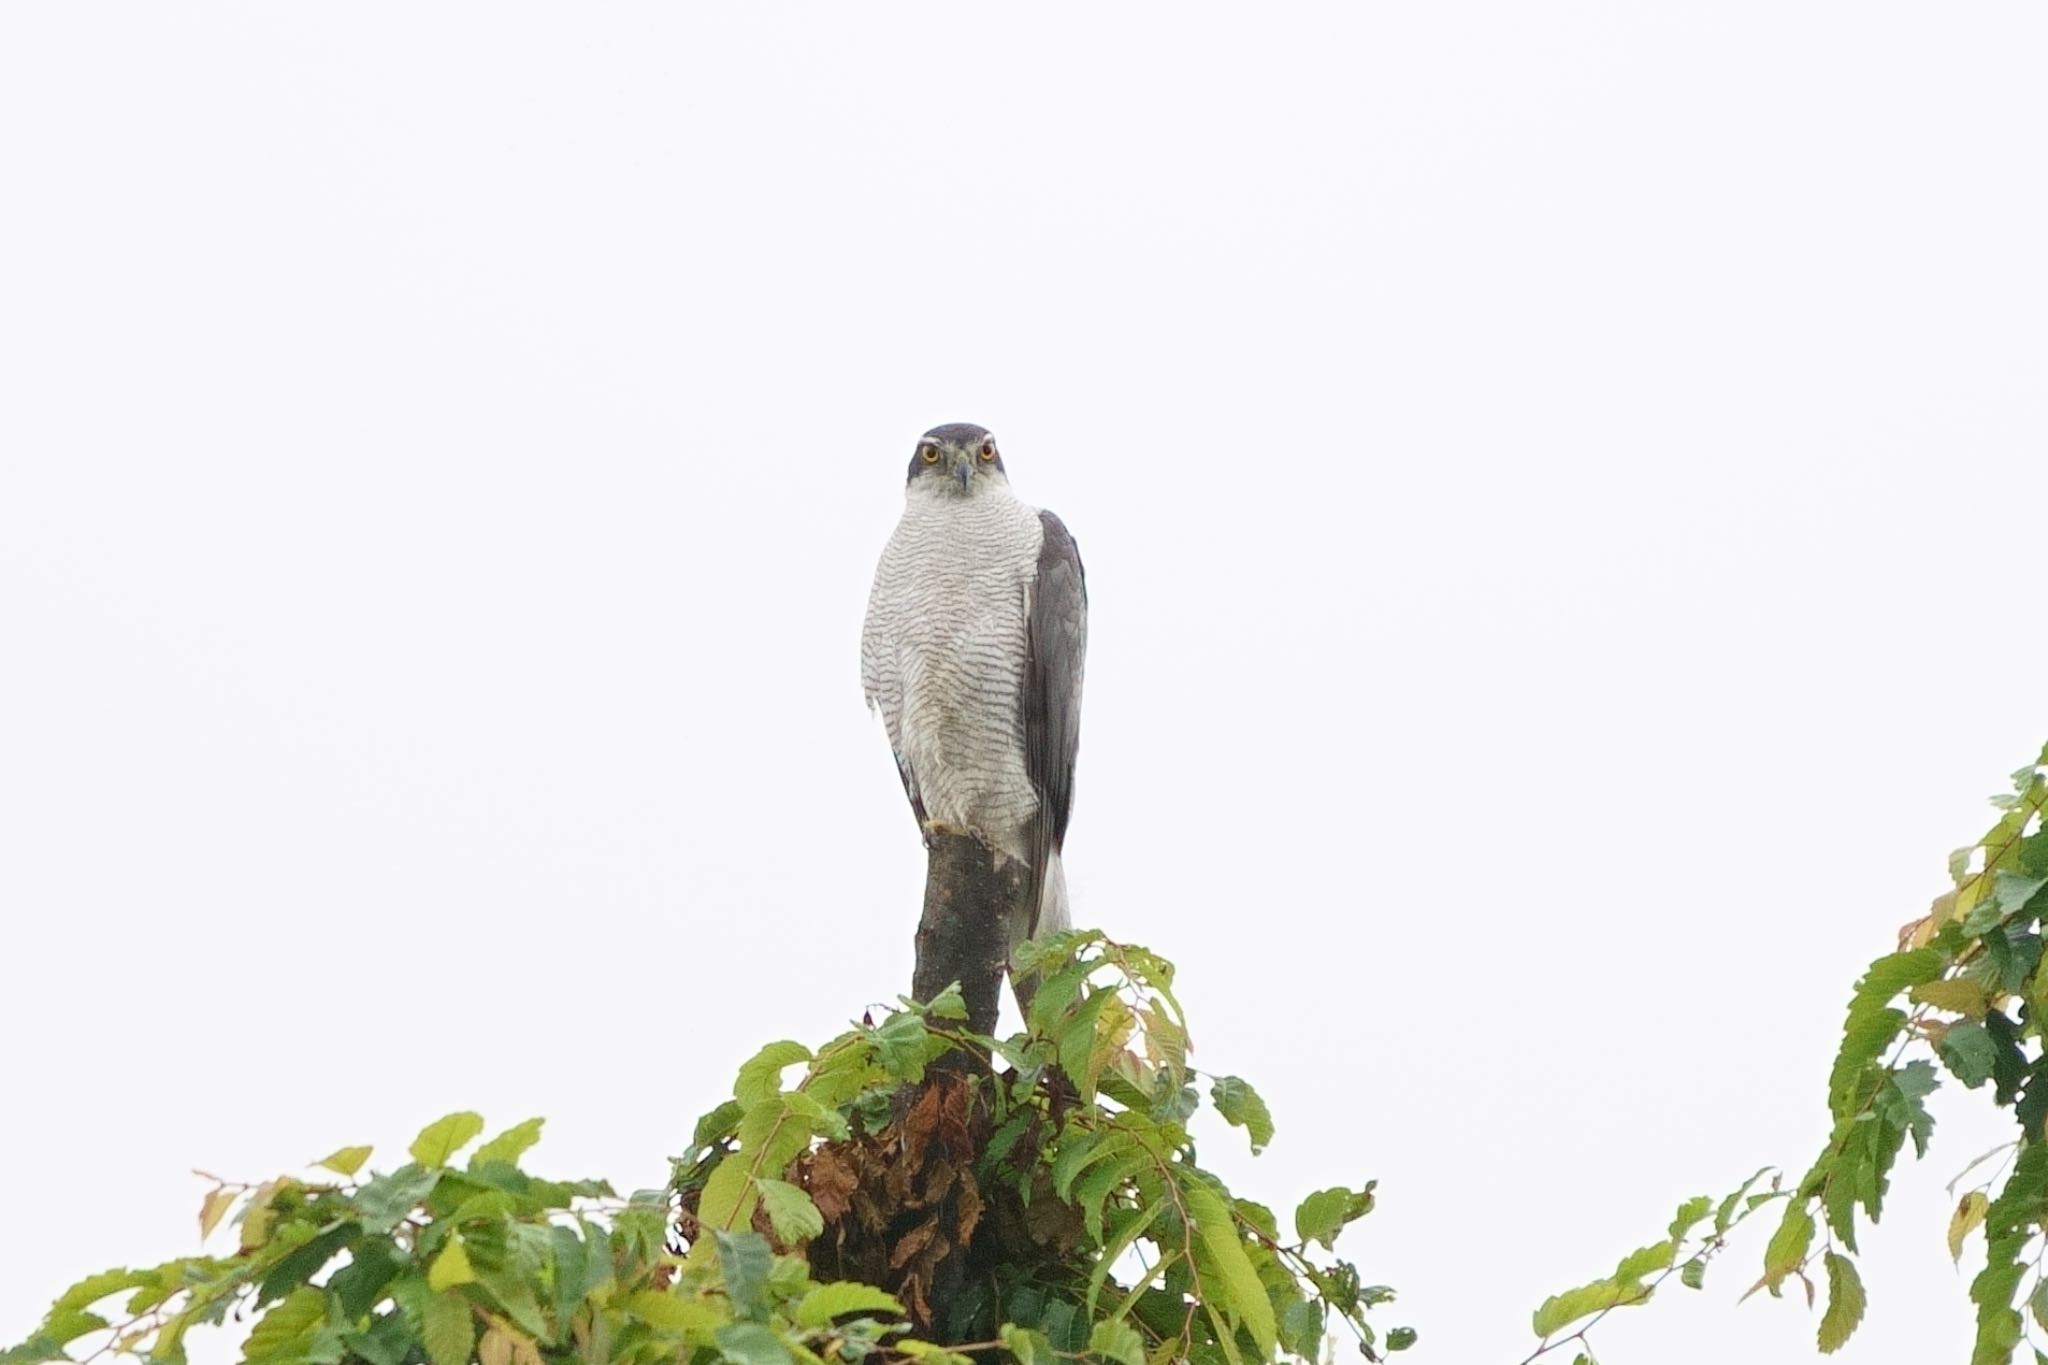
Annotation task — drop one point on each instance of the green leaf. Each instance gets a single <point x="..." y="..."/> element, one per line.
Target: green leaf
<point x="34" y="1351"/>
<point x="1029" y="1347"/>
<point x="1871" y="1025"/>
<point x="285" y="1330"/>
<point x="790" y="1211"/>
<point x="1787" y="1248"/>
<point x="345" y="1160"/>
<point x="1693" y="1274"/>
<point x="451" y="1267"/>
<point x="1227" y="1267"/>
<point x="388" y="1341"/>
<point x="1400" y="1339"/>
<point x="1845" y="1302"/>
<point x="1241" y="1106"/>
<point x="509" y="1145"/>
<point x="444" y="1137"/>
<point x="1644" y="1261"/>
<point x="901" y="1045"/>
<point x="717" y="1124"/>
<point x="673" y="1312"/>
<point x="446" y="1327"/>
<point x="385" y="1202"/>
<point x="70" y="1325"/>
<point x="749" y="1343"/>
<point x="745" y="1259"/>
<point x="1955" y="994"/>
<point x="1322" y="1215"/>
<point x="1969" y="1052"/>
<point x="1118" y="1341"/>
<point x="1688" y="1216"/>
<point x="1561" y="1310"/>
<point x="836" y="1300"/>
<point x="761" y="1075"/>
<point x="948" y="1004"/>
<point x="93" y="1288"/>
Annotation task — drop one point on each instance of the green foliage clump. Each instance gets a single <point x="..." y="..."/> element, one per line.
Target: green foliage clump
<point x="916" y="1194"/>
<point x="1975" y="999"/>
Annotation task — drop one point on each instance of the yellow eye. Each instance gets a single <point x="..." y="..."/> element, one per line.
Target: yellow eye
<point x="988" y="450"/>
<point x="931" y="454"/>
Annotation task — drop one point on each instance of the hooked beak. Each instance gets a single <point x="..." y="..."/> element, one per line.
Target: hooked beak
<point x="963" y="470"/>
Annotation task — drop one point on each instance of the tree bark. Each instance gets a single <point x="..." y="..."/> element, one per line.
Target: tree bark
<point x="969" y="904"/>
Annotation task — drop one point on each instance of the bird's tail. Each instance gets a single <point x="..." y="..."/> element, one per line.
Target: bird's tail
<point x="1051" y="917"/>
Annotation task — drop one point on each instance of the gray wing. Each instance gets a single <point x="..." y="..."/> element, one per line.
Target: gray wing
<point x="1051" y="698"/>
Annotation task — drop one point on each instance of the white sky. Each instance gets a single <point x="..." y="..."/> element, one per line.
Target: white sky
<point x="1558" y="485"/>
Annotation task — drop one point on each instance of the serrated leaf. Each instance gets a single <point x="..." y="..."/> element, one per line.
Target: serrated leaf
<point x="1689" y="1214"/>
<point x="93" y="1288"/>
<point x="509" y="1145"/>
<point x="1116" y="1340"/>
<point x="1969" y="1052"/>
<point x="446" y="1136"/>
<point x="716" y="1124"/>
<point x="447" y="1329"/>
<point x="1870" y="1024"/>
<point x="1845" y="1302"/>
<point x="836" y="1300"/>
<point x="1969" y="1213"/>
<point x="451" y="1267"/>
<point x="70" y="1325"/>
<point x="1241" y="1106"/>
<point x="1787" y="1248"/>
<point x="1644" y="1261"/>
<point x="288" y="1326"/>
<point x="760" y="1075"/>
<point x="674" y="1313"/>
<point x="1227" y="1266"/>
<point x="1561" y="1310"/>
<point x="1955" y="994"/>
<point x="385" y="1202"/>
<point x="790" y="1211"/>
<point x="345" y="1160"/>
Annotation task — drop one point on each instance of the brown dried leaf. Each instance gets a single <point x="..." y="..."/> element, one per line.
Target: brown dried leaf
<point x="913" y="1242"/>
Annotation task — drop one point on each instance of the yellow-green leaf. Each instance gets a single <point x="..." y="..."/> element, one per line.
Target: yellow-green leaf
<point x="790" y="1211"/>
<point x="288" y="1326"/>
<point x="447" y="1329"/>
<point x="509" y="1145"/>
<point x="829" y="1301"/>
<point x="761" y="1075"/>
<point x="444" y="1137"/>
<point x="1560" y="1310"/>
<point x="673" y="1312"/>
<point x="1223" y="1256"/>
<point x="1970" y="1211"/>
<point x="212" y="1209"/>
<point x="1954" y="994"/>
<point x="1114" y="1339"/>
<point x="345" y="1160"/>
<point x="1845" y="1302"/>
<point x="451" y="1267"/>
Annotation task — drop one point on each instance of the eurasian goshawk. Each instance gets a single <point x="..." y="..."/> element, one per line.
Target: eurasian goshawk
<point x="972" y="652"/>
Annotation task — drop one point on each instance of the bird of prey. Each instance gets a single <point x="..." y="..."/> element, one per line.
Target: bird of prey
<point x="972" y="652"/>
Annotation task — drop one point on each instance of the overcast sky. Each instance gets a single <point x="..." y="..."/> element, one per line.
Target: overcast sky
<point x="1547" y="476"/>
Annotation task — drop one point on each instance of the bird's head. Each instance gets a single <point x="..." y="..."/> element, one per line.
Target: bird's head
<point x="955" y="459"/>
